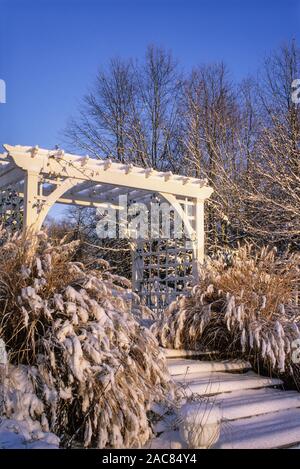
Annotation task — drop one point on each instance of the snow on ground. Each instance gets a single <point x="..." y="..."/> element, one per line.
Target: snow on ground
<point x="15" y="434"/>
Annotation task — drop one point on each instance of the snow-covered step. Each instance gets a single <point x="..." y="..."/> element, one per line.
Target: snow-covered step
<point x="218" y="382"/>
<point x="254" y="414"/>
<point x="167" y="440"/>
<point x="180" y="353"/>
<point x="247" y="403"/>
<point x="272" y="430"/>
<point x="182" y="366"/>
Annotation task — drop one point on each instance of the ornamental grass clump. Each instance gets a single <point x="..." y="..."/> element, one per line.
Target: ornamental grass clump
<point x="80" y="363"/>
<point x="246" y="304"/>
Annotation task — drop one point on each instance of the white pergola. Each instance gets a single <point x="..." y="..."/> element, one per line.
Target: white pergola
<point x="45" y="177"/>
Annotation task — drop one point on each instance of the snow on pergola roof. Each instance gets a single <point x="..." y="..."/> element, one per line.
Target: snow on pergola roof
<point x="20" y="159"/>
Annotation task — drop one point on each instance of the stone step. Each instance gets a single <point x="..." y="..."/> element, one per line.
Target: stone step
<point x="183" y="366"/>
<point x="218" y="382"/>
<point x="180" y="353"/>
<point x="272" y="430"/>
<point x="248" y="403"/>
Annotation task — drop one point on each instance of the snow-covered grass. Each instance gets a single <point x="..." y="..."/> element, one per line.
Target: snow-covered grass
<point x="246" y="304"/>
<point x="80" y="364"/>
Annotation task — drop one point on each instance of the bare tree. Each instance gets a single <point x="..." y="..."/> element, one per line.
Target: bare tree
<point x="131" y="112"/>
<point x="210" y="114"/>
<point x="271" y="190"/>
<point x="211" y="148"/>
<point x="159" y="88"/>
<point x="105" y="115"/>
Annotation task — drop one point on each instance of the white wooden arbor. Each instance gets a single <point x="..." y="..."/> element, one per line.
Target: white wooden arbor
<point x="45" y="177"/>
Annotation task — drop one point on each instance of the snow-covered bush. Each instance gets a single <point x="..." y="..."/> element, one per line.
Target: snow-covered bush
<point x="247" y="304"/>
<point x="90" y="372"/>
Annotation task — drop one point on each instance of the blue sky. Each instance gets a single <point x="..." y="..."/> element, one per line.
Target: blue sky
<point x="50" y="50"/>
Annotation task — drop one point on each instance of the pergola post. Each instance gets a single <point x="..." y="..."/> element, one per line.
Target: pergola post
<point x="199" y="241"/>
<point x="31" y="182"/>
